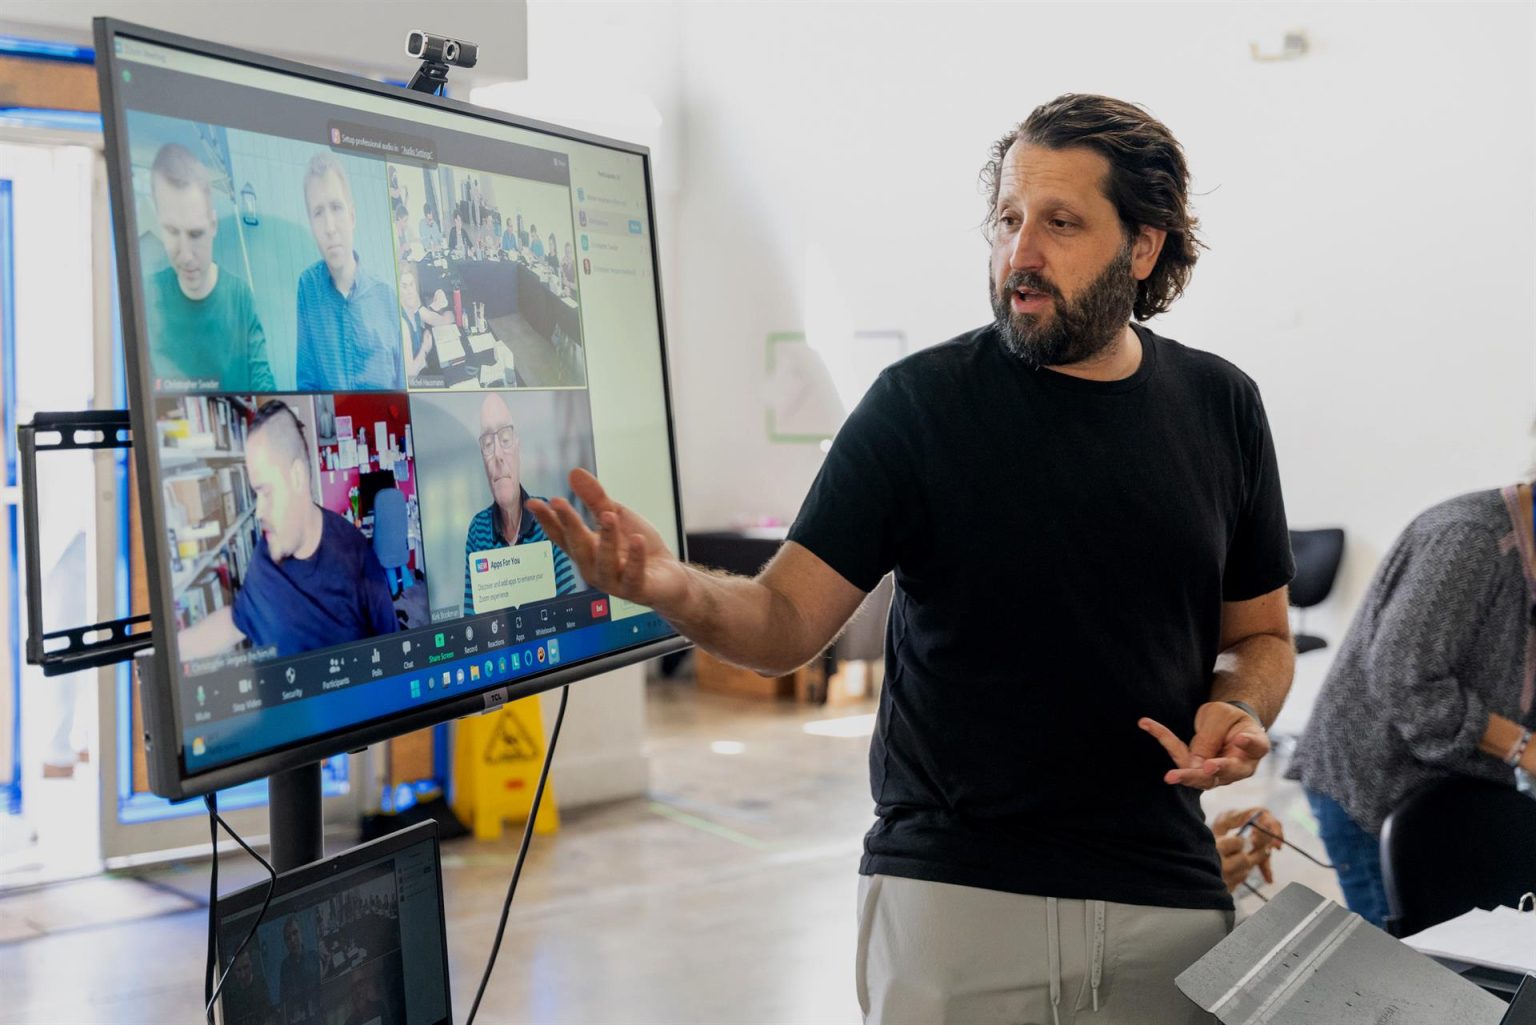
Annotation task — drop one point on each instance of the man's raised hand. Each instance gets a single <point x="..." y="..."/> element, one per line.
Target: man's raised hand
<point x="1227" y="746"/>
<point x="625" y="556"/>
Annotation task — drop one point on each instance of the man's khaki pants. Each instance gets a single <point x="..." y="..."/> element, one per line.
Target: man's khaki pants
<point x="937" y="954"/>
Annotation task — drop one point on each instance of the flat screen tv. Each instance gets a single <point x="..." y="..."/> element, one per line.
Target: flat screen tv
<point x="362" y="327"/>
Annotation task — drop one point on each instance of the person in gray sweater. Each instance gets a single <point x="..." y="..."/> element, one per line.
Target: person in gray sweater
<point x="1435" y="678"/>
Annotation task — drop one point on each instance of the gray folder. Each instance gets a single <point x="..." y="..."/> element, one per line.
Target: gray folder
<point x="1304" y="960"/>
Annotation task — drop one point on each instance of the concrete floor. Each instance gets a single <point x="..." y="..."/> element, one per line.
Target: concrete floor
<point x="726" y="895"/>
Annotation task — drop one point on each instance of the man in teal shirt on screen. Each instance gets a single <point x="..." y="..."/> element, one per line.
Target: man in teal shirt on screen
<point x="203" y="330"/>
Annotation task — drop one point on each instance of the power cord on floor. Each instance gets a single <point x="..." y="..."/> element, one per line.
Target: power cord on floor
<point x="522" y="853"/>
<point x="211" y="989"/>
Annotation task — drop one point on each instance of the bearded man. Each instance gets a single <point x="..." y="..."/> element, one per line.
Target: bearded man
<point x="1091" y="558"/>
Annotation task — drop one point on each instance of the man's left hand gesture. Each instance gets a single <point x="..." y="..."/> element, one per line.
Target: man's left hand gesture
<point x="1227" y="746"/>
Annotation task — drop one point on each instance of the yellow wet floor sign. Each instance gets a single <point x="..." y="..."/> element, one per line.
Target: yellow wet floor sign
<point x="497" y="758"/>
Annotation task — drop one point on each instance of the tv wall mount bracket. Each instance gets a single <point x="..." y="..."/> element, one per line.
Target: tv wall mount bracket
<point x="73" y="648"/>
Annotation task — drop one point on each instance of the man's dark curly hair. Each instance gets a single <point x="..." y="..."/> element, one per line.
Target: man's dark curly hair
<point x="1148" y="180"/>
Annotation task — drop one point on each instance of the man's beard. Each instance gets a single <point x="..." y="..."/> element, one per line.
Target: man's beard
<point x="1079" y="330"/>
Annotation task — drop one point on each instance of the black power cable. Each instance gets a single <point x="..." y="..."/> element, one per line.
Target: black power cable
<point x="211" y="968"/>
<point x="210" y="989"/>
<point x="522" y="853"/>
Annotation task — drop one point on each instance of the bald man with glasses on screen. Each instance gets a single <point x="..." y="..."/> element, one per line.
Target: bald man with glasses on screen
<point x="507" y="516"/>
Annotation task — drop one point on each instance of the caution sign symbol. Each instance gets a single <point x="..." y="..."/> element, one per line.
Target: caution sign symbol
<point x="510" y="741"/>
<point x="496" y="770"/>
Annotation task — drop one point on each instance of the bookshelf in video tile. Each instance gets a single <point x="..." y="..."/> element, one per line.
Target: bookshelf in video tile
<point x="210" y="514"/>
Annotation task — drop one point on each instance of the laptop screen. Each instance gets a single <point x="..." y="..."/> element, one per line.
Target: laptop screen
<point x="356" y="939"/>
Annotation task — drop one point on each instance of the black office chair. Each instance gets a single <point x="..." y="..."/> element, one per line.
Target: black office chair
<point x="1454" y="845"/>
<point x="1318" y="555"/>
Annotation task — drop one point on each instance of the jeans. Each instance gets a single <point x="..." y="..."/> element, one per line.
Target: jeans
<point x="1356" y="857"/>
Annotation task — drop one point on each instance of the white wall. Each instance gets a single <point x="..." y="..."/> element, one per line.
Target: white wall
<point x="1368" y="210"/>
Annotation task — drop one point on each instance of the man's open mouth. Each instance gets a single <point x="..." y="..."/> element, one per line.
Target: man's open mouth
<point x="1028" y="300"/>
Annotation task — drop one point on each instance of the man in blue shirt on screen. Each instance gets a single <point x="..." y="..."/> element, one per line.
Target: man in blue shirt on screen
<point x="314" y="581"/>
<point x="299" y="977"/>
<point x="348" y="339"/>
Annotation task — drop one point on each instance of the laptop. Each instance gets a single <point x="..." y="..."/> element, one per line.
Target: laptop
<point x="358" y="938"/>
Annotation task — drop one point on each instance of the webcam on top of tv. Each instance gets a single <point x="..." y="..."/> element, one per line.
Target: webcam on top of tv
<point x="437" y="54"/>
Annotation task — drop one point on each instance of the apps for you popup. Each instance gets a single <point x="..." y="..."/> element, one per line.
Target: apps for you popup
<point x="505" y="578"/>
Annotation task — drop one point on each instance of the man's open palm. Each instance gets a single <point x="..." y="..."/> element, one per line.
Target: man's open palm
<point x="625" y="556"/>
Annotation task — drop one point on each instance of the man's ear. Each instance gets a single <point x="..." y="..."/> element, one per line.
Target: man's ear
<point x="1146" y="247"/>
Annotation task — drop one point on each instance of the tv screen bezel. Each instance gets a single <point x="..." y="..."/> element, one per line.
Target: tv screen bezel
<point x="162" y="722"/>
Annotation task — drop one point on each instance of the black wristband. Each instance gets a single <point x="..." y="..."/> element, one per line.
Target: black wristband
<point x="1246" y="707"/>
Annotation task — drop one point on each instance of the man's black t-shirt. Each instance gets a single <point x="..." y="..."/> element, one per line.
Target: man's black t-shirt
<point x="1062" y="549"/>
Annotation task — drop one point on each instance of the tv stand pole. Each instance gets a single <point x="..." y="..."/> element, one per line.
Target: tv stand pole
<point x="296" y="825"/>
